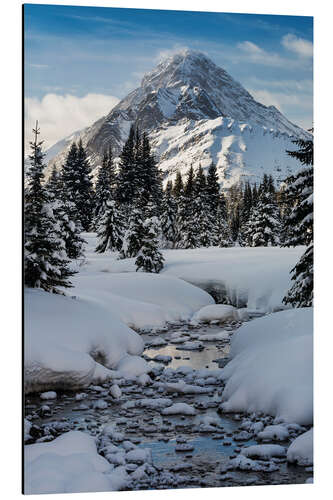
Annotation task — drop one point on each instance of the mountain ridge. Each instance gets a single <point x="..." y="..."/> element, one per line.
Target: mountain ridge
<point x="187" y="89"/>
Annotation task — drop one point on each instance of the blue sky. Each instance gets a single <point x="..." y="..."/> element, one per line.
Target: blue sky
<point x="72" y="53"/>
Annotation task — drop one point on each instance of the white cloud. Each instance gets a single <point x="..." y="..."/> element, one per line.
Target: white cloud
<point x="61" y="115"/>
<point x="257" y="55"/>
<point x="165" y="53"/>
<point x="297" y="107"/>
<point x="300" y="46"/>
<point x="282" y="100"/>
<point x="251" y="48"/>
<point x="267" y="98"/>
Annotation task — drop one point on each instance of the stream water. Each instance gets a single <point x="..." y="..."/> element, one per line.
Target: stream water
<point x="205" y="463"/>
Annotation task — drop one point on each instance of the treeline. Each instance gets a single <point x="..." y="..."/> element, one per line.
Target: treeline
<point x="134" y="216"/>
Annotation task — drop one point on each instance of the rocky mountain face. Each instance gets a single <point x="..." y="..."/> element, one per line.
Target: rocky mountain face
<point x="195" y="112"/>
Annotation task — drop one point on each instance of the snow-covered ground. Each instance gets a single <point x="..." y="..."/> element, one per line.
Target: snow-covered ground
<point x="88" y="337"/>
<point x="271" y="369"/>
<point x="257" y="278"/>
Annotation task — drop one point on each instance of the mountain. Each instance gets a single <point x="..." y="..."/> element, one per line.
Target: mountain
<point x="195" y="112"/>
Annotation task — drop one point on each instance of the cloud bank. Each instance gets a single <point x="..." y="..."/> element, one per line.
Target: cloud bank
<point x="61" y="115"/>
<point x="299" y="46"/>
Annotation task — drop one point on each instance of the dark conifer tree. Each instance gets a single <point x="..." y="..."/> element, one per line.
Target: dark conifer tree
<point x="168" y="217"/>
<point x="126" y="179"/>
<point x="205" y="211"/>
<point x="149" y="258"/>
<point x="110" y="229"/>
<point x="63" y="211"/>
<point x="234" y="198"/>
<point x="299" y="192"/>
<point x="213" y="189"/>
<point x="178" y="188"/>
<point x="254" y="195"/>
<point x="223" y="229"/>
<point x="84" y="196"/>
<point x="45" y="265"/>
<point x="103" y="190"/>
<point x="245" y="211"/>
<point x="186" y="227"/>
<point x="134" y="234"/>
<point x="150" y="183"/>
<point x="263" y="227"/>
<point x="54" y="183"/>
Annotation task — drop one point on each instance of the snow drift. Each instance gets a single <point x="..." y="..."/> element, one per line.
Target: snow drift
<point x="256" y="278"/>
<point x="141" y="300"/>
<point x="69" y="464"/>
<point x="73" y="342"/>
<point x="271" y="367"/>
<point x="301" y="449"/>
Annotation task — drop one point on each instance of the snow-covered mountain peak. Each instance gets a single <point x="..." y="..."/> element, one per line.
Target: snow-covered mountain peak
<point x="180" y="68"/>
<point x="187" y="93"/>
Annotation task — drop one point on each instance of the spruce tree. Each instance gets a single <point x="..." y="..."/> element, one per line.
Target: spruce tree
<point x="148" y="175"/>
<point x="213" y="189"/>
<point x="299" y="192"/>
<point x="234" y="199"/>
<point x="186" y="227"/>
<point x="126" y="179"/>
<point x="263" y="227"/>
<point x="178" y="188"/>
<point x="133" y="236"/>
<point x="110" y="229"/>
<point x="63" y="211"/>
<point x="224" y="238"/>
<point x="70" y="181"/>
<point x="103" y="189"/>
<point x="168" y="217"/>
<point x="149" y="258"/>
<point x="84" y="197"/>
<point x="45" y="264"/>
<point x="205" y="211"/>
<point x="245" y="211"/>
<point x="54" y="183"/>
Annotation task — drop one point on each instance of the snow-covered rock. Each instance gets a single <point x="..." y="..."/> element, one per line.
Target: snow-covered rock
<point x="115" y="391"/>
<point x="100" y="404"/>
<point x="183" y="388"/>
<point x="274" y="433"/>
<point x="214" y="337"/>
<point x="48" y="395"/>
<point x="179" y="409"/>
<point x="132" y="366"/>
<point x="69" y="464"/>
<point x="219" y="312"/>
<point x="271" y="367"/>
<point x="66" y="340"/>
<point x="301" y="449"/>
<point x="247" y="464"/>
<point x="264" y="451"/>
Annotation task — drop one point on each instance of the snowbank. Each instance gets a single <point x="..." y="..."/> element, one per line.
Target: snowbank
<point x="257" y="278"/>
<point x="271" y="367"/>
<point x="301" y="450"/>
<point x="73" y="342"/>
<point x="141" y="300"/>
<point x="69" y="464"/>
